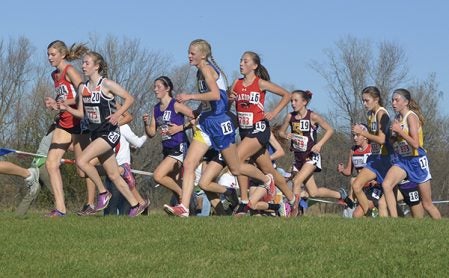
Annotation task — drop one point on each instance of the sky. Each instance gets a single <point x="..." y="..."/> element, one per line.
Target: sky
<point x="288" y="35"/>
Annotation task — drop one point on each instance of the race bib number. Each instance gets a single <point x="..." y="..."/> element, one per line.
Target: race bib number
<point x="245" y="119"/>
<point x="299" y="142"/>
<point x="254" y="97"/>
<point x="93" y="114"/>
<point x="95" y="97"/>
<point x="260" y="126"/>
<point x="376" y="193"/>
<point x="423" y="162"/>
<point x="226" y="127"/>
<point x="402" y="148"/>
<point x="166" y="116"/>
<point x="113" y="136"/>
<point x="414" y="196"/>
<point x="304" y="125"/>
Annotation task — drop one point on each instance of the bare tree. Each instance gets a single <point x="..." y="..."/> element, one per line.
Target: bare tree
<point x="15" y="66"/>
<point x="133" y="67"/>
<point x="351" y="67"/>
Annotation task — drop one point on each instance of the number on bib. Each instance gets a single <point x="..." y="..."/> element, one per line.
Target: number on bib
<point x="226" y="128"/>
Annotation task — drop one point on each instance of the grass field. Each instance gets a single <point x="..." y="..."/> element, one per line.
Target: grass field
<point x="162" y="246"/>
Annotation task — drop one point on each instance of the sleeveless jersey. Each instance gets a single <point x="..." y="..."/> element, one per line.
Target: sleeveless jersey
<point x="401" y="146"/>
<point x="249" y="103"/>
<point x="97" y="105"/>
<point x="373" y="127"/>
<point x="359" y="157"/>
<point x="65" y="90"/>
<point x="166" y="117"/>
<point x="304" y="134"/>
<point x="214" y="107"/>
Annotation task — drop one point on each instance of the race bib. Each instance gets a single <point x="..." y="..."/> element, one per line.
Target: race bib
<point x="375" y="148"/>
<point x="299" y="142"/>
<point x="226" y="127"/>
<point x="254" y="97"/>
<point x="164" y="130"/>
<point x="245" y="119"/>
<point x="402" y="148"/>
<point x="93" y="114"/>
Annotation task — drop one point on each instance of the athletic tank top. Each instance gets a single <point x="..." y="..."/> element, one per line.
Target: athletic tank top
<point x="359" y="157"/>
<point x="97" y="105"/>
<point x="249" y="103"/>
<point x="304" y="134"/>
<point x="65" y="90"/>
<point x="166" y="117"/>
<point x="400" y="145"/>
<point x="214" y="107"/>
<point x="373" y="127"/>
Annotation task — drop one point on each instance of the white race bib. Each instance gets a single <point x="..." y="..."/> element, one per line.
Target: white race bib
<point x="245" y="119"/>
<point x="299" y="142"/>
<point x="93" y="114"/>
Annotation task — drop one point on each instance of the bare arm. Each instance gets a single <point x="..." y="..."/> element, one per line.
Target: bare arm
<point x="327" y="135"/>
<point x="283" y="129"/>
<point x="113" y="88"/>
<point x="278" y="90"/>
<point x="277" y="146"/>
<point x="346" y="170"/>
<point x="210" y="76"/>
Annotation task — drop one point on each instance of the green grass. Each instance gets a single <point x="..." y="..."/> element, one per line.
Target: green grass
<point x="161" y="246"/>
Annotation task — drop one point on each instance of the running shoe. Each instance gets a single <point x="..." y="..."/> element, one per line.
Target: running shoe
<point x="145" y="206"/>
<point x="136" y="211"/>
<point x="55" y="214"/>
<point x="32" y="181"/>
<point x="103" y="201"/>
<point x="178" y="210"/>
<point x="270" y="187"/>
<point x="241" y="210"/>
<point x="284" y="209"/>
<point x="295" y="207"/>
<point x="231" y="199"/>
<point x="128" y="175"/>
<point x="345" y="198"/>
<point x="86" y="210"/>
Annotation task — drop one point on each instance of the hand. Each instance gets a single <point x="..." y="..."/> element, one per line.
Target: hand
<point x="269" y="116"/>
<point x="113" y="119"/>
<point x="232" y="95"/>
<point x="316" y="148"/>
<point x="50" y="103"/>
<point x="61" y="105"/>
<point x="173" y="129"/>
<point x="183" y="97"/>
<point x="340" y="167"/>
<point x="396" y="126"/>
<point x="146" y="119"/>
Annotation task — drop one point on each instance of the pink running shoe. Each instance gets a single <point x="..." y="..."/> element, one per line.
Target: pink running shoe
<point x="55" y="214"/>
<point x="103" y="201"/>
<point x="133" y="212"/>
<point x="178" y="210"/>
<point x="271" y="188"/>
<point x="128" y="175"/>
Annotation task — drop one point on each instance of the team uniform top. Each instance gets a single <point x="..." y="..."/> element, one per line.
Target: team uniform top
<point x="304" y="134"/>
<point x="249" y="103"/>
<point x="401" y="146"/>
<point x="65" y="90"/>
<point x="213" y="107"/>
<point x="373" y="127"/>
<point x="98" y="107"/>
<point x="359" y="157"/>
<point x="164" y="119"/>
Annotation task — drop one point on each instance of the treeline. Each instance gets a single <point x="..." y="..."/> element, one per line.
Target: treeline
<point x="347" y="67"/>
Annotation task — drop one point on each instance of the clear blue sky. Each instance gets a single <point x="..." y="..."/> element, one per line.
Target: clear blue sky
<point x="287" y="34"/>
